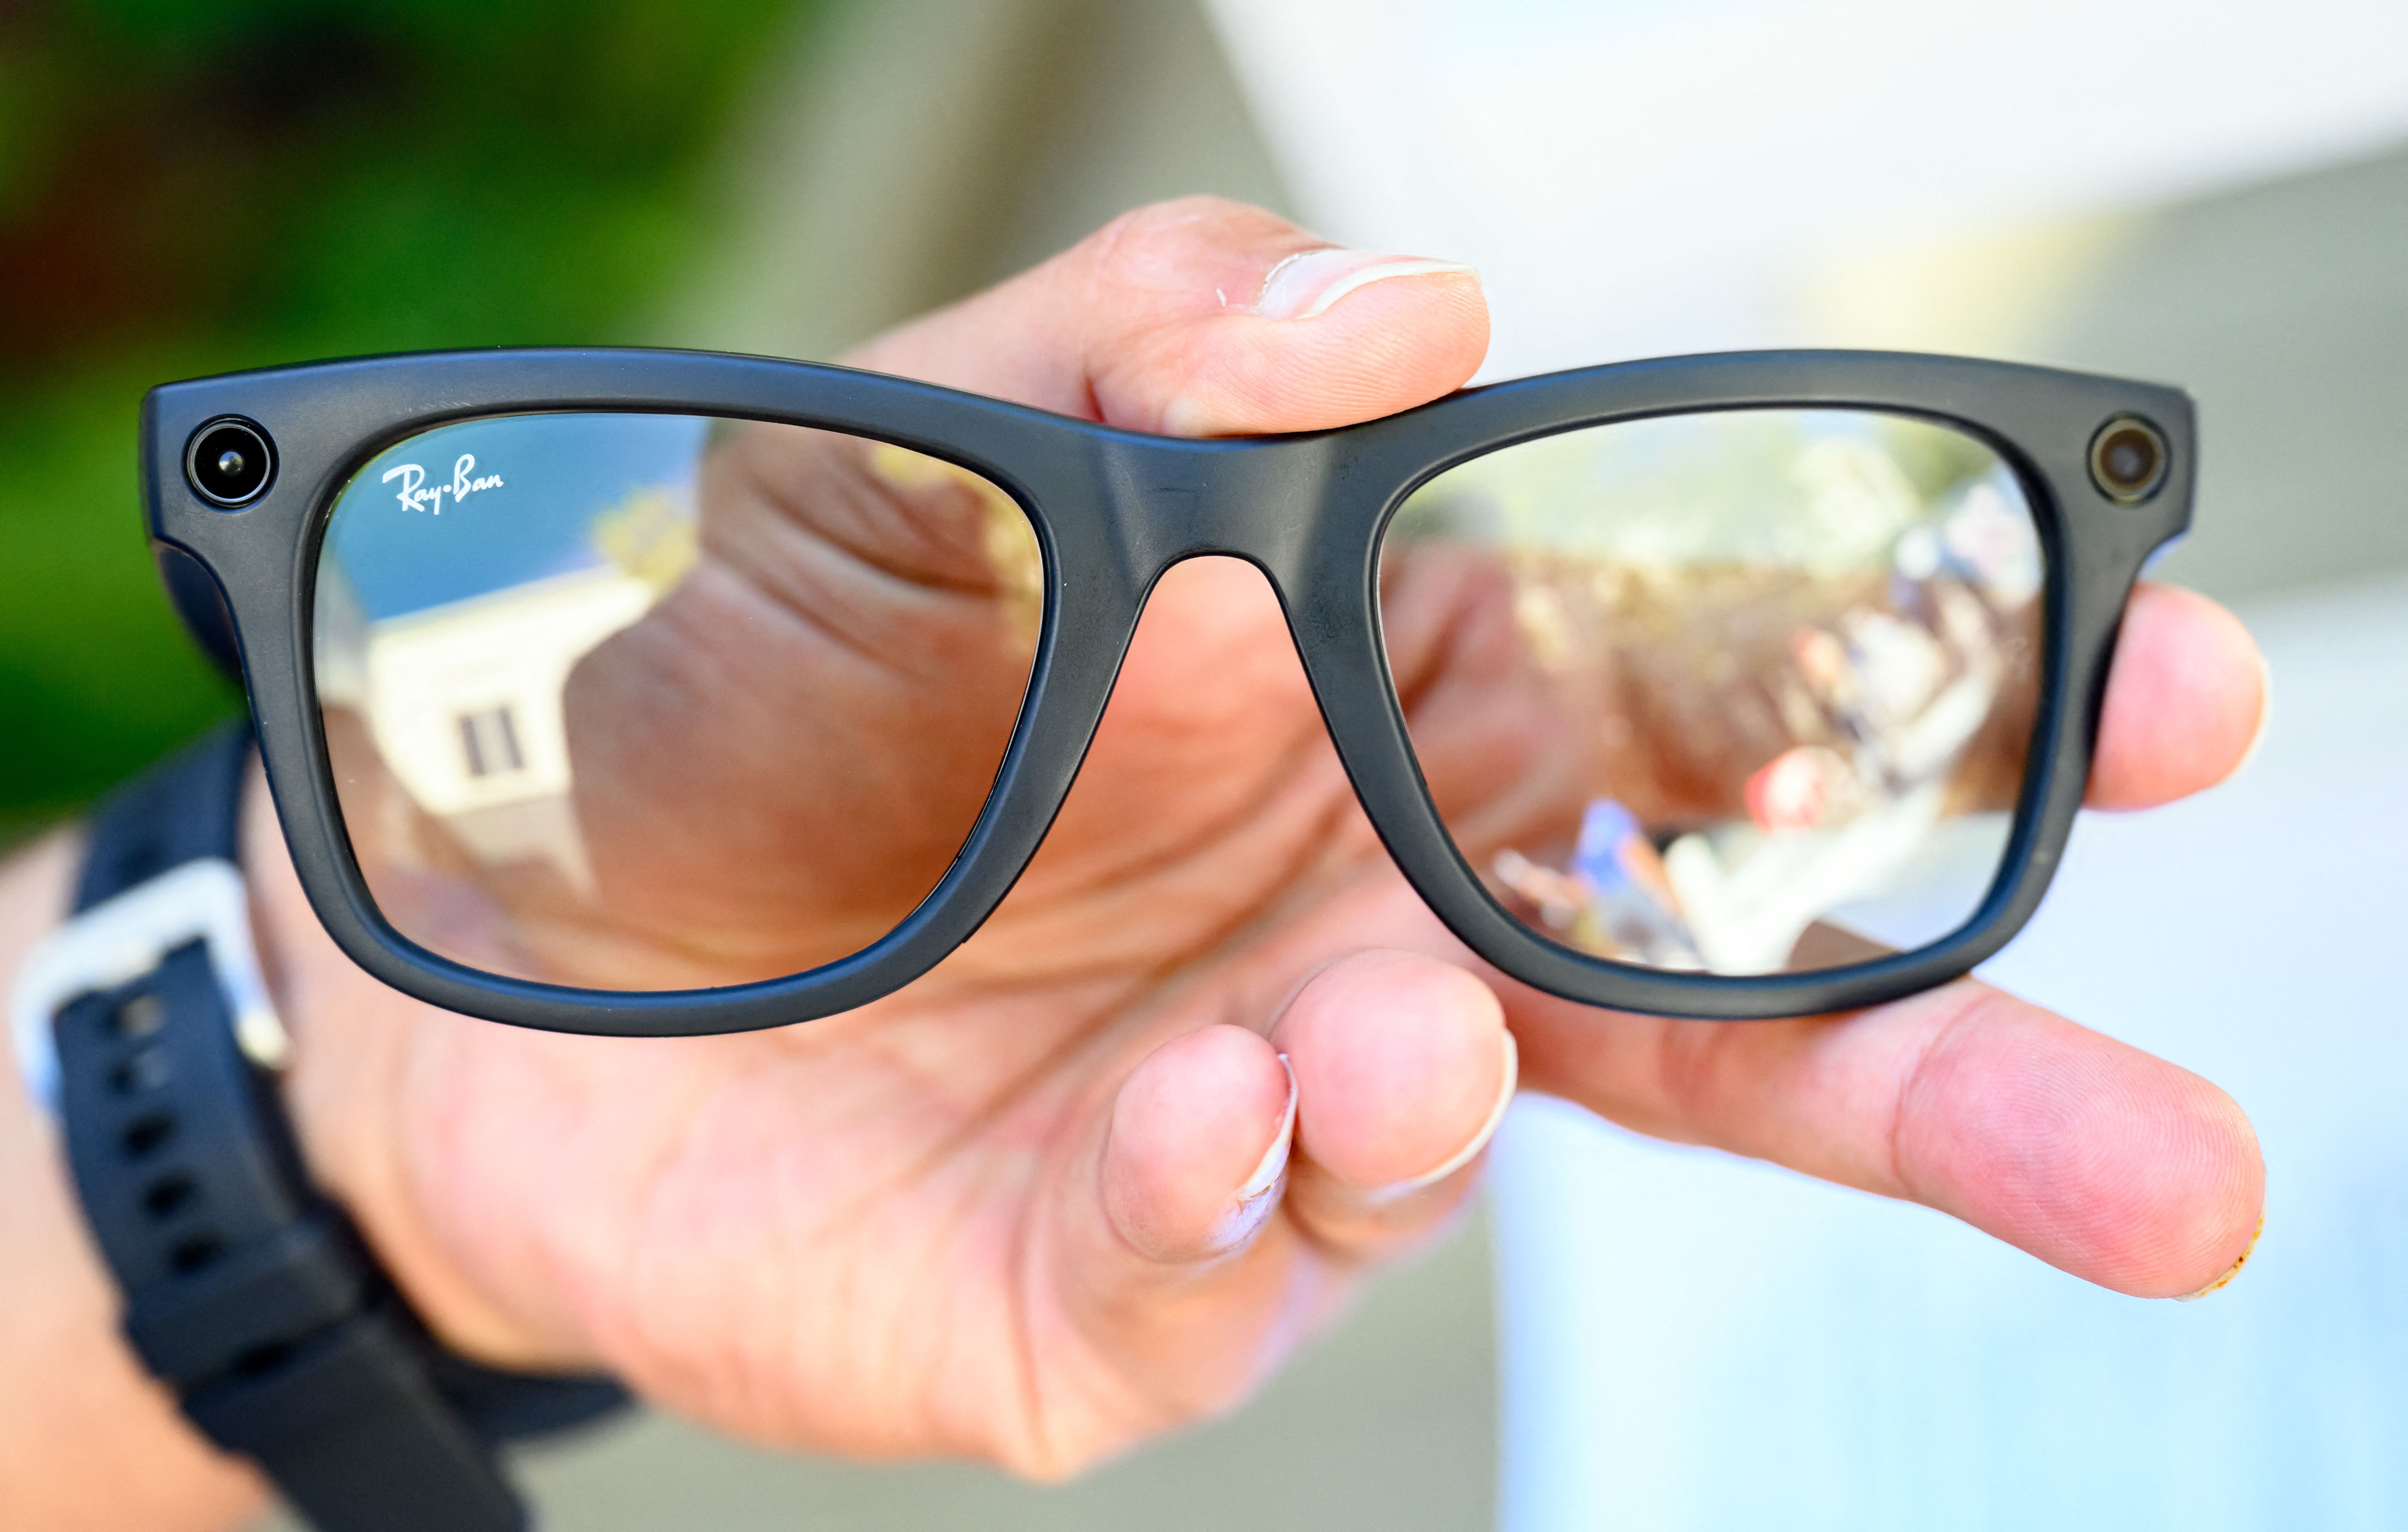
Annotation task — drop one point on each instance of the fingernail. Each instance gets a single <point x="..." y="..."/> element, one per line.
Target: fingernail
<point x="1398" y="1191"/>
<point x="1254" y="1200"/>
<point x="2231" y="1271"/>
<point x="1305" y="285"/>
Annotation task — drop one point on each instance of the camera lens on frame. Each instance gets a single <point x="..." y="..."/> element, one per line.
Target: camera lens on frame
<point x="228" y="462"/>
<point x="2129" y="459"/>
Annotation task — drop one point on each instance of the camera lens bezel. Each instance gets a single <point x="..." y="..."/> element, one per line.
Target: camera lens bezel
<point x="259" y="441"/>
<point x="2117" y="487"/>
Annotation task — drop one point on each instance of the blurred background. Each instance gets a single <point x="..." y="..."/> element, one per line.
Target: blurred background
<point x="196" y="188"/>
<point x="2214" y="194"/>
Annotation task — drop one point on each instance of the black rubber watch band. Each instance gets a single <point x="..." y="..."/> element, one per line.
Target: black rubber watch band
<point x="246" y="1291"/>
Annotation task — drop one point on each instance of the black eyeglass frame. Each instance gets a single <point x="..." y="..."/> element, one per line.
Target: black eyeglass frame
<point x="1113" y="510"/>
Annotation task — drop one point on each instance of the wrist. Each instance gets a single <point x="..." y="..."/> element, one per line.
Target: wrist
<point x="87" y="1437"/>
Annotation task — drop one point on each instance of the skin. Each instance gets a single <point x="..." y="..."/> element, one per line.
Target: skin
<point x="1045" y="1203"/>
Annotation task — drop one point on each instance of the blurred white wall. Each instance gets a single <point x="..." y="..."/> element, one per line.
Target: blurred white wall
<point x="1693" y="1341"/>
<point x="1648" y="177"/>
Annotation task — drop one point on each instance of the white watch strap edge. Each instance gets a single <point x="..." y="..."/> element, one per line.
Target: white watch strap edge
<point x="124" y="938"/>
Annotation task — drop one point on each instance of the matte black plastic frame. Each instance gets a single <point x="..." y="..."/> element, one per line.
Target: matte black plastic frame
<point x="1113" y="510"/>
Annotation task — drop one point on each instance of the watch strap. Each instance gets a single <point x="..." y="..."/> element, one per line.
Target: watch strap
<point x="247" y="1290"/>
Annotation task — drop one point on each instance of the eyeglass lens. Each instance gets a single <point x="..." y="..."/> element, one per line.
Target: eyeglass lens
<point x="663" y="701"/>
<point x="1742" y="692"/>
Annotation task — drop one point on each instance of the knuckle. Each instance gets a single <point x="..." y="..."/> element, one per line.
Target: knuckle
<point x="1139" y="241"/>
<point x="1181" y="216"/>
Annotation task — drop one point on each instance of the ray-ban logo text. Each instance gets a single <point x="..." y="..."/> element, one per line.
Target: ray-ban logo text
<point x="416" y="494"/>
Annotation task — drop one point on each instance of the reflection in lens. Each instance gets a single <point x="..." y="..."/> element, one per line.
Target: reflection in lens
<point x="1745" y="692"/>
<point x="659" y="702"/>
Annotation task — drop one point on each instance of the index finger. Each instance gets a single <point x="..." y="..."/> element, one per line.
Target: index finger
<point x="2097" y="1158"/>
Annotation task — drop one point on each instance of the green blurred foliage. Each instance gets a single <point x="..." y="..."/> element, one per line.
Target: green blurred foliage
<point x="189" y="187"/>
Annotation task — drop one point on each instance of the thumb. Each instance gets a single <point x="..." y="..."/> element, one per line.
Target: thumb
<point x="1204" y="317"/>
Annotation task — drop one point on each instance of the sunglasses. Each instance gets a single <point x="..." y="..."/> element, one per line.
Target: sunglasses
<point x="661" y="693"/>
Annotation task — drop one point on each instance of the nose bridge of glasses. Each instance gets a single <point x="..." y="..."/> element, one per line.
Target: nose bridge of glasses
<point x="1258" y="498"/>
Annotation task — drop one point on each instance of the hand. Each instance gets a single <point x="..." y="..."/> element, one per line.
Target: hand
<point x="1051" y="1199"/>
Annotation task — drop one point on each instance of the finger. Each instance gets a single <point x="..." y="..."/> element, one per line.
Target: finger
<point x="2185" y="700"/>
<point x="1207" y="317"/>
<point x="1403" y="1069"/>
<point x="1198" y="1148"/>
<point x="1168" y="1266"/>
<point x="2101" y="1160"/>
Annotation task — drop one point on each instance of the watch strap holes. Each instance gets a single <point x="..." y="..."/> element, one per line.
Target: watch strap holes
<point x="170" y="1195"/>
<point x="141" y="1016"/>
<point x="260" y="1360"/>
<point x="145" y="1071"/>
<point x="146" y="1134"/>
<point x="194" y="1251"/>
